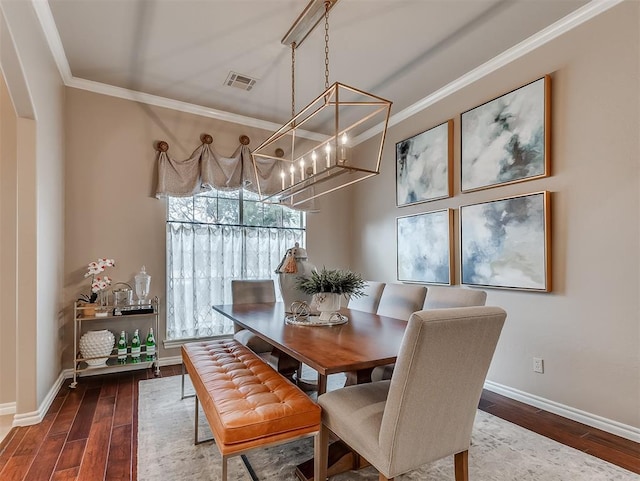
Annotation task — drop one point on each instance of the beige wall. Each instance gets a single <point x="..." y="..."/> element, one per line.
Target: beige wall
<point x="8" y="180"/>
<point x="98" y="198"/>
<point x="110" y="178"/>
<point x="37" y="93"/>
<point x="587" y="329"/>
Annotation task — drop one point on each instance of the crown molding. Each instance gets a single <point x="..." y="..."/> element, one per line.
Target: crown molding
<point x="562" y="26"/>
<point x="50" y="30"/>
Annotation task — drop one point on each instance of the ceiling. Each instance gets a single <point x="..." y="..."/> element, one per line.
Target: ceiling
<point x="184" y="50"/>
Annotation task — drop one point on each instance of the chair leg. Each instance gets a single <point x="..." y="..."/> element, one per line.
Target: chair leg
<point x="384" y="478"/>
<point x="461" y="461"/>
<point x="321" y="454"/>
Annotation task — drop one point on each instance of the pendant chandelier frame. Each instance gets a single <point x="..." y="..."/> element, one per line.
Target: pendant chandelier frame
<point x="316" y="143"/>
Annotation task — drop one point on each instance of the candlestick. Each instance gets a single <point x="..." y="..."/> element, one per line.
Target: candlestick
<point x="313" y="159"/>
<point x="343" y="148"/>
<point x="282" y="177"/>
<point x="327" y="149"/>
<point x="302" y="169"/>
<point x="292" y="170"/>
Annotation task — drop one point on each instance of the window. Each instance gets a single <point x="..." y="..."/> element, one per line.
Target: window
<point x="213" y="238"/>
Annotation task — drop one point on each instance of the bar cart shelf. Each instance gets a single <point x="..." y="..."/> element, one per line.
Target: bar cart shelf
<point x="85" y="318"/>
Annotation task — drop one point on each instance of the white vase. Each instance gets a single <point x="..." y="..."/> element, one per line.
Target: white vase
<point x="96" y="345"/>
<point x="327" y="303"/>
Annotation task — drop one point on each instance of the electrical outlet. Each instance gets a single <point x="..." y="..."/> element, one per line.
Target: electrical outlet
<point x="538" y="365"/>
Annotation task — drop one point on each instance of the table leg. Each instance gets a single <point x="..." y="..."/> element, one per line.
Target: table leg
<point x="322" y="384"/>
<point x="286" y="365"/>
<point x="358" y="377"/>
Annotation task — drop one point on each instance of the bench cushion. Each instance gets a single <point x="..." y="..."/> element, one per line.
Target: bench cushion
<point x="243" y="398"/>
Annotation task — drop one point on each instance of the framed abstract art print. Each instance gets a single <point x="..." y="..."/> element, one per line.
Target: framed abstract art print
<point x="506" y="243"/>
<point x="507" y="140"/>
<point x="424" y="166"/>
<point x="424" y="243"/>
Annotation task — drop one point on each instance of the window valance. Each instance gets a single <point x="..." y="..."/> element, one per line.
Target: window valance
<point x="206" y="169"/>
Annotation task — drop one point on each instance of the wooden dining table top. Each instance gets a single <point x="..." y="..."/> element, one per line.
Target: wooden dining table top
<point x="365" y="341"/>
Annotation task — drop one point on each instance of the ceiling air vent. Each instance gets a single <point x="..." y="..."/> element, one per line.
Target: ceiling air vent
<point x="240" y="81"/>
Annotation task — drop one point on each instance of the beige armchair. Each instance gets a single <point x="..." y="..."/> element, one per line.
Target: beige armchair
<point x="371" y="298"/>
<point x="249" y="292"/>
<point x="439" y="297"/>
<point x="426" y="411"/>
<point x="401" y="300"/>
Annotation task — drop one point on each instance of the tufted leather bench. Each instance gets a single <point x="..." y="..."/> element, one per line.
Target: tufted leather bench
<point x="247" y="403"/>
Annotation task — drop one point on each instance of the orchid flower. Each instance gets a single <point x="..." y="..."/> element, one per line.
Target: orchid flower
<point x="98" y="283"/>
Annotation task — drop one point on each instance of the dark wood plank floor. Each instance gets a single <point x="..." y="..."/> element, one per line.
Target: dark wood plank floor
<point x="89" y="433"/>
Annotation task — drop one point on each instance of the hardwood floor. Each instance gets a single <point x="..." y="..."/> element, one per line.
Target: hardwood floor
<point x="89" y="433"/>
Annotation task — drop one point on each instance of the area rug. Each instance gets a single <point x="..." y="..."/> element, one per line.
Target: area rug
<point x="500" y="450"/>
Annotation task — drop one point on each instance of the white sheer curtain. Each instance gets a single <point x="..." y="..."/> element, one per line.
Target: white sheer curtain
<point x="202" y="259"/>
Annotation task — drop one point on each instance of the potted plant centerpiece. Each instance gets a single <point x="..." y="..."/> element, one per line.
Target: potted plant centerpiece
<point x="327" y="286"/>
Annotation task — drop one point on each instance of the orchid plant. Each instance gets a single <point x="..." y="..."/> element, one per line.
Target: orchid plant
<point x="98" y="283"/>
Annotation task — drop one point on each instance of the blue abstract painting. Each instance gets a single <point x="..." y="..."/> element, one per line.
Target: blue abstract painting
<point x="423" y="166"/>
<point x="503" y="243"/>
<point x="505" y="140"/>
<point x="424" y="247"/>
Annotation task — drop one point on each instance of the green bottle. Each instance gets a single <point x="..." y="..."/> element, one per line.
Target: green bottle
<point x="135" y="347"/>
<point x="122" y="348"/>
<point x="150" y="345"/>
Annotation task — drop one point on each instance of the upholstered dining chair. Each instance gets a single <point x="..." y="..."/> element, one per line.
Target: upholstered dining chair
<point x="370" y="300"/>
<point x="251" y="291"/>
<point x="439" y="297"/>
<point x="426" y="411"/>
<point x="401" y="300"/>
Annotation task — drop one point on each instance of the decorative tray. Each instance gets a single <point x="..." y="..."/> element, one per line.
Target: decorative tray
<point x="314" y="320"/>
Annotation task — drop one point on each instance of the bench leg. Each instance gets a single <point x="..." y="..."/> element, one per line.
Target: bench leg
<point x="224" y="468"/>
<point x="182" y="389"/>
<point x="195" y="428"/>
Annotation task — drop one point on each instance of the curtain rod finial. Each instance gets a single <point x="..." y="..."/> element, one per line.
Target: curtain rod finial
<point x="162" y="146"/>
<point x="244" y="139"/>
<point x="206" y="139"/>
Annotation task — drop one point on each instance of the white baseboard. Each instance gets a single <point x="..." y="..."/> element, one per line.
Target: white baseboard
<point x="34" y="417"/>
<point x="614" y="427"/>
<point x="7" y="408"/>
<point x="170" y="361"/>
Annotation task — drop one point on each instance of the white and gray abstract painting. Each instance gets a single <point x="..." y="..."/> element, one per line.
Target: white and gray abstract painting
<point x="422" y="166"/>
<point x="504" y="140"/>
<point x="423" y="247"/>
<point x="503" y="243"/>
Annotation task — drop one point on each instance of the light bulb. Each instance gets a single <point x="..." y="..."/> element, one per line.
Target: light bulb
<point x="343" y="149"/>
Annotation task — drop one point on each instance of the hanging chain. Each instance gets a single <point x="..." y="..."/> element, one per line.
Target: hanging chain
<point x="327" y="4"/>
<point x="293" y="80"/>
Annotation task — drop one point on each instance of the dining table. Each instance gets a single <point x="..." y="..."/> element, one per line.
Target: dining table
<point x="363" y="341"/>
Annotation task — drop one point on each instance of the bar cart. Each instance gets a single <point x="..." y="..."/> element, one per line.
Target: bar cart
<point x="115" y="319"/>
